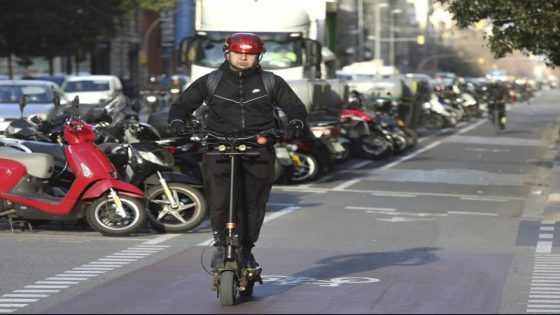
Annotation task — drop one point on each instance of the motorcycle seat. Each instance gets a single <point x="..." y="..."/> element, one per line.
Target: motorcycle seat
<point x="53" y="149"/>
<point x="40" y="165"/>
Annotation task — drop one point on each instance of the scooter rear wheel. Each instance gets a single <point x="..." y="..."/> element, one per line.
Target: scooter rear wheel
<point x="102" y="216"/>
<point x="228" y="288"/>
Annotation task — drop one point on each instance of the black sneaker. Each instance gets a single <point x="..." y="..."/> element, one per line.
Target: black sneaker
<point x="247" y="258"/>
<point x="218" y="258"/>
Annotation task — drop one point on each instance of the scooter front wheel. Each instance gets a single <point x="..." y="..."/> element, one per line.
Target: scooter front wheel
<point x="102" y="216"/>
<point x="227" y="288"/>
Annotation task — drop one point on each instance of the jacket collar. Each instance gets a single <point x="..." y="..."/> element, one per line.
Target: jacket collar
<point x="244" y="74"/>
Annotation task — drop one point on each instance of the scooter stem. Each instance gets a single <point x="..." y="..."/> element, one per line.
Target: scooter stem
<point x="231" y="225"/>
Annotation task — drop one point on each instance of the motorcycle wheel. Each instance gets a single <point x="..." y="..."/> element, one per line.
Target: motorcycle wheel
<point x="307" y="169"/>
<point x="278" y="171"/>
<point x="102" y="217"/>
<point x="400" y="142"/>
<point x="376" y="147"/>
<point x="433" y="122"/>
<point x="228" y="288"/>
<point x="412" y="137"/>
<point x="191" y="212"/>
<point x="345" y="156"/>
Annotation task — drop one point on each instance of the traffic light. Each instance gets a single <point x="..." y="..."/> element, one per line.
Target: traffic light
<point x="420" y="39"/>
<point x="142" y="57"/>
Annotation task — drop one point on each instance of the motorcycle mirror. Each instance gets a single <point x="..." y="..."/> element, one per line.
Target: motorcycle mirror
<point x="22" y="103"/>
<point x="56" y="100"/>
<point x="76" y="101"/>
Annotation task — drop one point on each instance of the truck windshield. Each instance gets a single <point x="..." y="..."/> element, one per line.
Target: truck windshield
<point x="279" y="55"/>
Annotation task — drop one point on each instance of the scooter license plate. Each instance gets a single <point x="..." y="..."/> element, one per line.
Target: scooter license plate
<point x="338" y="148"/>
<point x="282" y="153"/>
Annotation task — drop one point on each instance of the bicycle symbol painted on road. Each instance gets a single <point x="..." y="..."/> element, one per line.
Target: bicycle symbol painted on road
<point x="333" y="282"/>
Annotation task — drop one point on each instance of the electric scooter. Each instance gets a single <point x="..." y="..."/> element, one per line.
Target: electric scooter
<point x="232" y="277"/>
<point x="111" y="206"/>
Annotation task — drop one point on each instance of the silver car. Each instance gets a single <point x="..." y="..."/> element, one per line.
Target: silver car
<point x="40" y="100"/>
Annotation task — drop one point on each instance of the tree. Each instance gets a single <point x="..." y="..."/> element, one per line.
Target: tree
<point x="530" y="26"/>
<point x="49" y="28"/>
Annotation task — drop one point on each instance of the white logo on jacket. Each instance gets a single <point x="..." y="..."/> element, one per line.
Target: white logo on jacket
<point x="255" y="91"/>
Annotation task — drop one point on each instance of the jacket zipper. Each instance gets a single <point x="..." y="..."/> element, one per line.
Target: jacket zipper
<point x="241" y="102"/>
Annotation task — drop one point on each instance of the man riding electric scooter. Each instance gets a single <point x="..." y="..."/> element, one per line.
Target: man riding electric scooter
<point x="240" y="103"/>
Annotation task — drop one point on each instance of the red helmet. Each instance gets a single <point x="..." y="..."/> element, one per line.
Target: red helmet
<point x="244" y="43"/>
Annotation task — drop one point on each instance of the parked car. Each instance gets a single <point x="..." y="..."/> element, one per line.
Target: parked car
<point x="40" y="100"/>
<point x="58" y="79"/>
<point x="93" y="89"/>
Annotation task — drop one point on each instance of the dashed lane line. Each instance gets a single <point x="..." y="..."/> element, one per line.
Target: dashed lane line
<point x="42" y="289"/>
<point x="544" y="294"/>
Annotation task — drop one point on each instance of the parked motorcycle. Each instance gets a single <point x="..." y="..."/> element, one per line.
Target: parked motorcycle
<point x="368" y="139"/>
<point x="111" y="206"/>
<point x="174" y="201"/>
<point x="330" y="132"/>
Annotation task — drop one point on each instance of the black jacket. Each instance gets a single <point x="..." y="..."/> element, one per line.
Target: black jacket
<point x="240" y="103"/>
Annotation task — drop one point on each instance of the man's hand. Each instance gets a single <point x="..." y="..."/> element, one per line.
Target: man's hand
<point x="293" y="129"/>
<point x="178" y="127"/>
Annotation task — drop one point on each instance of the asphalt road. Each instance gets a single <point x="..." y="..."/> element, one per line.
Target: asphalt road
<point x="465" y="223"/>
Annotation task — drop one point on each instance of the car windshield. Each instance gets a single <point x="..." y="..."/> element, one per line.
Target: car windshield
<point x="279" y="54"/>
<point x="13" y="93"/>
<point x="86" y="86"/>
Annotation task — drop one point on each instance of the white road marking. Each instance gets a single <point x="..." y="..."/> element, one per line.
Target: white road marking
<point x="372" y="209"/>
<point x="474" y="213"/>
<point x="267" y="218"/>
<point x="345" y="185"/>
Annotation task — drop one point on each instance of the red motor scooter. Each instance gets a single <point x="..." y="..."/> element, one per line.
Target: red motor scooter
<point x="28" y="192"/>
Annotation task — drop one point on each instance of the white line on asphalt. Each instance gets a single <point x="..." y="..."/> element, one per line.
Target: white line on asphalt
<point x="372" y="209"/>
<point x="473" y="213"/>
<point x="12" y="305"/>
<point x="345" y="185"/>
<point x="35" y="291"/>
<point x="412" y="155"/>
<point x="75" y="274"/>
<point x="25" y="295"/>
<point x="547" y="228"/>
<point x="359" y="165"/>
<point x="543" y="311"/>
<point x="18" y="300"/>
<point x="484" y="199"/>
<point x="546" y="236"/>
<point x="280" y="213"/>
<point x="394" y="194"/>
<point x="543" y="247"/>
<point x="66" y="278"/>
<point x="267" y="218"/>
<point x="56" y="282"/>
<point x="161" y="239"/>
<point x="39" y="286"/>
<point x="471" y="127"/>
<point x="124" y="257"/>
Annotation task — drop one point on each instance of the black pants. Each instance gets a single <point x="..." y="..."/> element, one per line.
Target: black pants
<point x="251" y="192"/>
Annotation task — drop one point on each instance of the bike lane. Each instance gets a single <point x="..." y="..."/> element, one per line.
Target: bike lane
<point x="304" y="281"/>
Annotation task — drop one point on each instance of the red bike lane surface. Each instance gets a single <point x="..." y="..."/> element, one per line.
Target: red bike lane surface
<point x="417" y="280"/>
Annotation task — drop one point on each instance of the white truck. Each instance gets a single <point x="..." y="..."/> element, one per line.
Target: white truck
<point x="293" y="32"/>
